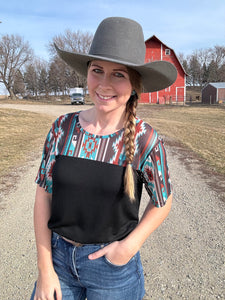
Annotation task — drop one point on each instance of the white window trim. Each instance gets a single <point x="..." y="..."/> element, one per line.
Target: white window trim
<point x="167" y="51"/>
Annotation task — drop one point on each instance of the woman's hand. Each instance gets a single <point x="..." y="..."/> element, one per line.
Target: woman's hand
<point x="120" y="252"/>
<point x="48" y="287"/>
<point x="117" y="253"/>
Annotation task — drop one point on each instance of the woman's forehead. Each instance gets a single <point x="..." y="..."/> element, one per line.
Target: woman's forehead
<point x="108" y="64"/>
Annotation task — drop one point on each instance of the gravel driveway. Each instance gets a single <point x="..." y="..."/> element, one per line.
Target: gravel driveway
<point x="183" y="258"/>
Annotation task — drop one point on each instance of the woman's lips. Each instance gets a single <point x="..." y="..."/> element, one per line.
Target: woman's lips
<point x="104" y="97"/>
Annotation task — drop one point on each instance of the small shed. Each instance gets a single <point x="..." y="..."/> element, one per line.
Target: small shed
<point x="213" y="93"/>
<point x="176" y="93"/>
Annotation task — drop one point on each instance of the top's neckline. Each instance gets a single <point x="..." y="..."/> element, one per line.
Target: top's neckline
<point x="97" y="135"/>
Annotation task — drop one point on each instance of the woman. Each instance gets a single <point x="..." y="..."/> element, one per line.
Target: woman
<point x="90" y="180"/>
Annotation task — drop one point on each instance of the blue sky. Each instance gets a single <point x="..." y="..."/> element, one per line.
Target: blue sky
<point x="182" y="25"/>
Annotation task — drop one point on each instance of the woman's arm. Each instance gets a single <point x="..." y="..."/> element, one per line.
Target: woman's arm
<point x="121" y="252"/>
<point x="150" y="221"/>
<point x="47" y="283"/>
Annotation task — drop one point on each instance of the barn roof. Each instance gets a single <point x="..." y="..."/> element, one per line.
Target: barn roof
<point x="155" y="37"/>
<point x="218" y="85"/>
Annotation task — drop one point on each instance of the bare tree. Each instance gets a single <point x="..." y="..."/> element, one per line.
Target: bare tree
<point x="78" y="42"/>
<point x="213" y="75"/>
<point x="14" y="53"/>
<point x="58" y="76"/>
<point x="203" y="57"/>
<point x="42" y="69"/>
<point x="31" y="79"/>
<point x="205" y="65"/>
<point x="36" y="77"/>
<point x="19" y="86"/>
<point x="194" y="70"/>
<point x="222" y="73"/>
<point x="219" y="55"/>
<point x="43" y="81"/>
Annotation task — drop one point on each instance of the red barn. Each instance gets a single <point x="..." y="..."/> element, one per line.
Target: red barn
<point x="176" y="93"/>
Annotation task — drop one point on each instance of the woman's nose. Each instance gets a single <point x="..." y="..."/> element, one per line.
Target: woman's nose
<point x="105" y="81"/>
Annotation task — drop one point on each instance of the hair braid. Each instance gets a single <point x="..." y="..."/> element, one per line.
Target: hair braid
<point x="129" y="132"/>
<point x="129" y="135"/>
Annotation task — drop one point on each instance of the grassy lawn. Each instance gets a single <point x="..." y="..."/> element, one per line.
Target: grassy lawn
<point x="200" y="129"/>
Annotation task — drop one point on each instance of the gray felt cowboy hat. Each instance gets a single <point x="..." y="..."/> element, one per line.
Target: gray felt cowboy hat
<point x="121" y="40"/>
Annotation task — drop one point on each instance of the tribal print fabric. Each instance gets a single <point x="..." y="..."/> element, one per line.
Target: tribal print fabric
<point x="68" y="138"/>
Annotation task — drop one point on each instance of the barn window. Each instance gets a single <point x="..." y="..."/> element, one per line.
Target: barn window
<point x="167" y="51"/>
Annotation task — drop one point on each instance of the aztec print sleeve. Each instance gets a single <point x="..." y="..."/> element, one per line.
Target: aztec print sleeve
<point x="156" y="175"/>
<point x="44" y="175"/>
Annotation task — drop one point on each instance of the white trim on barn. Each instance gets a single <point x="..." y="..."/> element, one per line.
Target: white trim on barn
<point x="161" y="51"/>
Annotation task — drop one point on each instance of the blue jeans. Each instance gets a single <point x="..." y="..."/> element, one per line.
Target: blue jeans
<point x="81" y="278"/>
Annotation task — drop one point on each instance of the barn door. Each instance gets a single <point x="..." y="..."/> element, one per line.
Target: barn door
<point x="180" y="94"/>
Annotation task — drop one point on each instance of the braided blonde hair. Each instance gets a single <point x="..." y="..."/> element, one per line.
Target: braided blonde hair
<point x="129" y="133"/>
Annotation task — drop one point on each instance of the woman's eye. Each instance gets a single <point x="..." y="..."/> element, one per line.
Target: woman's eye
<point x="117" y="74"/>
<point x="97" y="70"/>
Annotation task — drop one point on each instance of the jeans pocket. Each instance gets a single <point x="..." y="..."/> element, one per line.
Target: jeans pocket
<point x="108" y="262"/>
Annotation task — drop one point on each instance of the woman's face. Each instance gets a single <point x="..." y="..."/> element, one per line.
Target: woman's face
<point x="109" y="85"/>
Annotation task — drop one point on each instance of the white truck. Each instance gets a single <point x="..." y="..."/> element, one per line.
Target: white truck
<point x="77" y="95"/>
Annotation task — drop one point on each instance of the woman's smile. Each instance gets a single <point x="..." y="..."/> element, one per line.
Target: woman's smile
<point x="105" y="97"/>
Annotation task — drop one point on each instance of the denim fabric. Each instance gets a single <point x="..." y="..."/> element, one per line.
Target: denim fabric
<point x="99" y="279"/>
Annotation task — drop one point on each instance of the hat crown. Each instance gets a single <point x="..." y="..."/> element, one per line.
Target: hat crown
<point x="121" y="39"/>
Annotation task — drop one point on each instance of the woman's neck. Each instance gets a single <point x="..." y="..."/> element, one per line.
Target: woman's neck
<point x="99" y="123"/>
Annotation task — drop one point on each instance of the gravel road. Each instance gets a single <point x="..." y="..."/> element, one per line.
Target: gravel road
<point x="183" y="258"/>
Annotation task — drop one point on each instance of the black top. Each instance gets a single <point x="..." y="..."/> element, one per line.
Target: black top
<point x="89" y="205"/>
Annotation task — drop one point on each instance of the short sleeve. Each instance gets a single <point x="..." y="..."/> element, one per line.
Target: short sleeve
<point x="156" y="176"/>
<point x="44" y="175"/>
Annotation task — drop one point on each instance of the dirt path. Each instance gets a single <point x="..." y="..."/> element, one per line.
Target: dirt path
<point x="183" y="259"/>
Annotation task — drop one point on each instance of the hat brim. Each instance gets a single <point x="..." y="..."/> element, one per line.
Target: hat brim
<point x="156" y="75"/>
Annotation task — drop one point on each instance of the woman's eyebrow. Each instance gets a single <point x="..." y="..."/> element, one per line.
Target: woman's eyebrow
<point x="115" y="70"/>
<point x="120" y="70"/>
<point x="94" y="65"/>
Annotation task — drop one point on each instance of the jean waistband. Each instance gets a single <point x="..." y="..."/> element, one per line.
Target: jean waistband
<point x="72" y="242"/>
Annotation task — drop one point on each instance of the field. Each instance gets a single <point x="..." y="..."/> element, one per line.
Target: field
<point x="21" y="134"/>
<point x="196" y="128"/>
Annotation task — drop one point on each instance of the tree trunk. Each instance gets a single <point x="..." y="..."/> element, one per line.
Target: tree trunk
<point x="11" y="93"/>
<point x="9" y="89"/>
